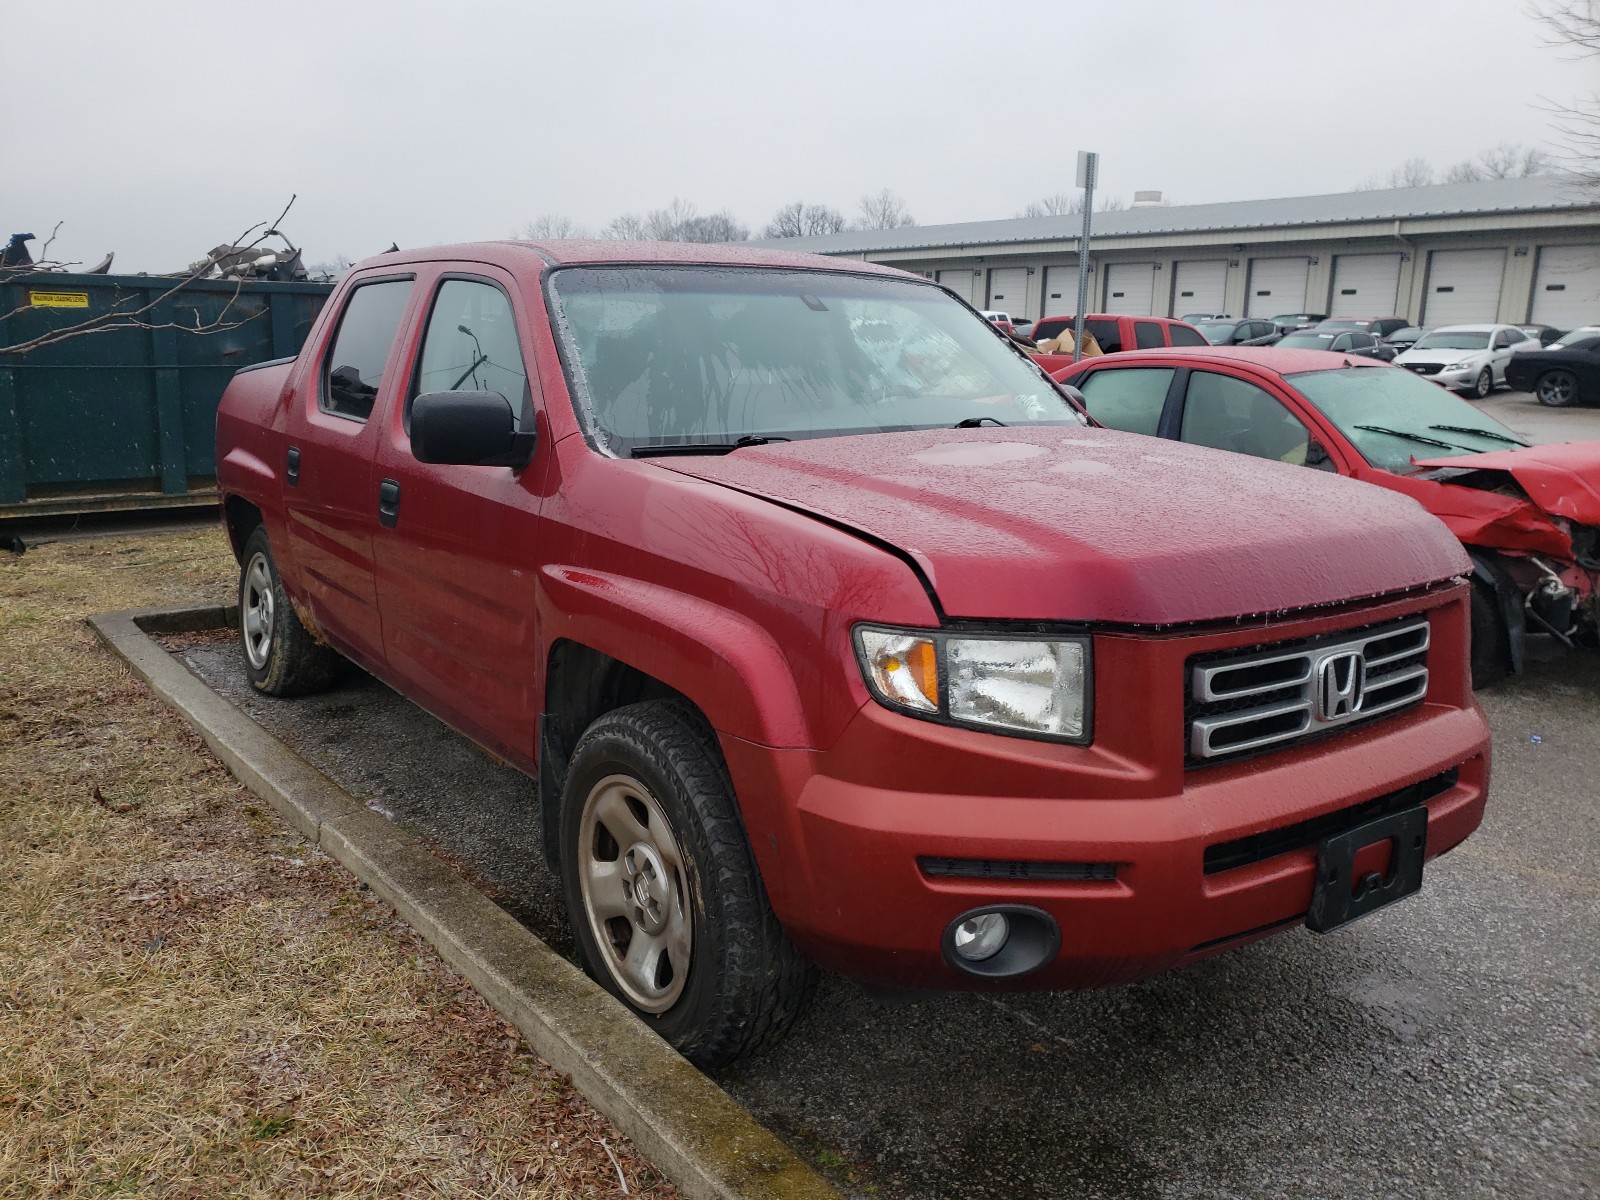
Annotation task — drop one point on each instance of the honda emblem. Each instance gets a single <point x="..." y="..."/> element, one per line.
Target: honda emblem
<point x="1341" y="680"/>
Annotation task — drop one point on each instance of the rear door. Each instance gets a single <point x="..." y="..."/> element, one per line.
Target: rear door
<point x="329" y="497"/>
<point x="455" y="561"/>
<point x="1227" y="412"/>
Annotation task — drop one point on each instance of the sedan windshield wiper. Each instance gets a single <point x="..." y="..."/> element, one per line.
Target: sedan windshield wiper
<point x="1488" y="433"/>
<point x="672" y="448"/>
<point x="1412" y="437"/>
<point x="975" y="422"/>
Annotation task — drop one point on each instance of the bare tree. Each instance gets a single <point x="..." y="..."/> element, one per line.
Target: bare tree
<point x="629" y="227"/>
<point x="1063" y="204"/>
<point x="1573" y="27"/>
<point x="804" y="220"/>
<point x="122" y="316"/>
<point x="1505" y="161"/>
<point x="1414" y="172"/>
<point x="551" y="225"/>
<point x="678" y="222"/>
<point x="883" y="210"/>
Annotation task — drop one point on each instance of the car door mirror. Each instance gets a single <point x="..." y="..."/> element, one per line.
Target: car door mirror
<point x="468" y="429"/>
<point x="1317" y="457"/>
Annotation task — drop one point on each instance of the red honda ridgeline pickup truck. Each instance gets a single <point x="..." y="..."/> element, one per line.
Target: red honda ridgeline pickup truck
<point x="834" y="634"/>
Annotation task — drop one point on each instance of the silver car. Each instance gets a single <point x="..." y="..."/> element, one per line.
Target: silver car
<point x="1466" y="358"/>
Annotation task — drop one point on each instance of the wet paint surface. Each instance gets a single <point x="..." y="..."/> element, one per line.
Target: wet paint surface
<point x="1445" y="1047"/>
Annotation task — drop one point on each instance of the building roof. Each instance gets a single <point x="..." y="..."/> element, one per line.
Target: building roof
<point x="1539" y="193"/>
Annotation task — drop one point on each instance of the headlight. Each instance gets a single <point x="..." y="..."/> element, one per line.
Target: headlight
<point x="1023" y="685"/>
<point x="1463" y="364"/>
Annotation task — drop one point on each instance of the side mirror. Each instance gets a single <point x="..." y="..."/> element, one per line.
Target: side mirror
<point x="468" y="429"/>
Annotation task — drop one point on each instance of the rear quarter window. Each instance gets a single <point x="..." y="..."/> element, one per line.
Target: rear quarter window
<point x="1183" y="335"/>
<point x="1107" y="333"/>
<point x="1147" y="335"/>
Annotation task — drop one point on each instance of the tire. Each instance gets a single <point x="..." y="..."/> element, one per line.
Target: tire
<point x="1557" y="389"/>
<point x="654" y="856"/>
<point x="280" y="655"/>
<point x="1491" y="642"/>
<point x="1482" y="385"/>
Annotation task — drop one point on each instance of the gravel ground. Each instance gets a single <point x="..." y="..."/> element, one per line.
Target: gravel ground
<point x="1445" y="1048"/>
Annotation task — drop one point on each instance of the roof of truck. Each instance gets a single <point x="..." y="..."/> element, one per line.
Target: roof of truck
<point x="589" y="251"/>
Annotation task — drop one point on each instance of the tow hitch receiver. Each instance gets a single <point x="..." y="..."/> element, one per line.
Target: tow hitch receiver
<point x="1339" y="896"/>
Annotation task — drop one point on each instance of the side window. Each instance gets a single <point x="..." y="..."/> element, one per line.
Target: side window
<point x="354" y="369"/>
<point x="1107" y="333"/>
<point x="1147" y="335"/>
<point x="1362" y="341"/>
<point x="1344" y="341"/>
<point x="1513" y="336"/>
<point x="1230" y="414"/>
<point x="1183" y="335"/>
<point x="1130" y="399"/>
<point x="472" y="345"/>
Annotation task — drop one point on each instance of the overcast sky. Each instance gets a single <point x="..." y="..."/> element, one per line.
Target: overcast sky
<point x="158" y="129"/>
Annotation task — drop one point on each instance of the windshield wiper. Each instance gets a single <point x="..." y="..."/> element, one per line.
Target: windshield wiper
<point x="1488" y="433"/>
<point x="1412" y="437"/>
<point x="975" y="422"/>
<point x="667" y="451"/>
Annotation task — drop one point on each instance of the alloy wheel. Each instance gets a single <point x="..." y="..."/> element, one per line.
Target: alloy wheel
<point x="256" y="611"/>
<point x="635" y="892"/>
<point x="1558" y="389"/>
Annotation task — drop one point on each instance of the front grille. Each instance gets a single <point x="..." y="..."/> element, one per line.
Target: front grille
<point x="1258" y="847"/>
<point x="1017" y="871"/>
<point x="1263" y="699"/>
<point x="1426" y="368"/>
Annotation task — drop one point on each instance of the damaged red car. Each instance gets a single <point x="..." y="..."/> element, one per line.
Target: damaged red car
<point x="1529" y="516"/>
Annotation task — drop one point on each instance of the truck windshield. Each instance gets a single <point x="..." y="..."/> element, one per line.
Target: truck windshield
<point x="1391" y="416"/>
<point x="663" y="356"/>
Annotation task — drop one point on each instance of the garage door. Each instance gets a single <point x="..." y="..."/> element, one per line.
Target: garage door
<point x="1060" y="292"/>
<point x="959" y="282"/>
<point x="1365" y="285"/>
<point x="1130" y="288"/>
<point x="1008" y="291"/>
<point x="1199" y="286"/>
<point x="1463" y="286"/>
<point x="1566" y="290"/>
<point x="1277" y="285"/>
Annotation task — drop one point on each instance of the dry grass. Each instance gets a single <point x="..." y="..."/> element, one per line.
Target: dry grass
<point x="194" y="1003"/>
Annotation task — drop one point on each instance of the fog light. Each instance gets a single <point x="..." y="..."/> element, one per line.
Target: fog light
<point x="981" y="936"/>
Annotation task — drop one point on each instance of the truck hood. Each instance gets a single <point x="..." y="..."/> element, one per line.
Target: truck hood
<point x="1563" y="479"/>
<point x="1067" y="524"/>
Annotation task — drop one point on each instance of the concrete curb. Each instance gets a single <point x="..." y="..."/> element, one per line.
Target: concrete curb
<point x="709" y="1146"/>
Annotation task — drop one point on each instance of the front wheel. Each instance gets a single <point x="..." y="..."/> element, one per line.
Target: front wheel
<point x="1483" y="384"/>
<point x="281" y="657"/>
<point x="666" y="905"/>
<point x="1557" y="389"/>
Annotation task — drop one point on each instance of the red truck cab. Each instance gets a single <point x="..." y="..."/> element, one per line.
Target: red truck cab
<point x="1113" y="333"/>
<point x="835" y="635"/>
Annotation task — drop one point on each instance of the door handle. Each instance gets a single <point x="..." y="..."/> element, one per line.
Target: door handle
<point x="389" y="503"/>
<point x="292" y="466"/>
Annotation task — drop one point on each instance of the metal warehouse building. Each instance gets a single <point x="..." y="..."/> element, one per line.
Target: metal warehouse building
<point x="1512" y="250"/>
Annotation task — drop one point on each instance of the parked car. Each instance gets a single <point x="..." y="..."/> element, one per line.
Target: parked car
<point x="1543" y="334"/>
<point x="1196" y="318"/>
<point x="1403" y="339"/>
<point x="1253" y="332"/>
<point x="1469" y="358"/>
<point x="1566" y="374"/>
<point x="1380" y="327"/>
<point x="1112" y="334"/>
<point x="1290" y="321"/>
<point x="1005" y="322"/>
<point x="1528" y="516"/>
<point x="1346" y="341"/>
<point x="835" y="634"/>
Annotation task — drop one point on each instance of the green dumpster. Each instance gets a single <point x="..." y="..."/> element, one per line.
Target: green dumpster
<point x="125" y="417"/>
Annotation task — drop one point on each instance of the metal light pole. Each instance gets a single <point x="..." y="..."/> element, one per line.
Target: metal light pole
<point x="1088" y="168"/>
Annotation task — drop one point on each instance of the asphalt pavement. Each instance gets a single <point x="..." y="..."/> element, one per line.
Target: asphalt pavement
<point x="1443" y="1048"/>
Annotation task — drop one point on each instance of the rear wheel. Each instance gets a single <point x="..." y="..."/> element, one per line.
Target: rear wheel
<point x="666" y="904"/>
<point x="1491" y="641"/>
<point x="1557" y="389"/>
<point x="280" y="655"/>
<point x="1483" y="384"/>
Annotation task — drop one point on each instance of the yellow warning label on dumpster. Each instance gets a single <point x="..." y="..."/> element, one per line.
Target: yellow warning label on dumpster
<point x="58" y="299"/>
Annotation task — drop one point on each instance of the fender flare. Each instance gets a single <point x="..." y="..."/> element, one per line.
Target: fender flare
<point x="1508" y="600"/>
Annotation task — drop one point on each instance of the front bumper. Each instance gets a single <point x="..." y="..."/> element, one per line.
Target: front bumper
<point x="845" y="837"/>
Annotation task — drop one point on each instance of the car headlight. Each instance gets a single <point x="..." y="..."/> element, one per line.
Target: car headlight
<point x="1463" y="364"/>
<point x="1028" y="685"/>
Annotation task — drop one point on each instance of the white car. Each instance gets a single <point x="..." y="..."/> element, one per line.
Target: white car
<point x="1006" y="321"/>
<point x="1467" y="358"/>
